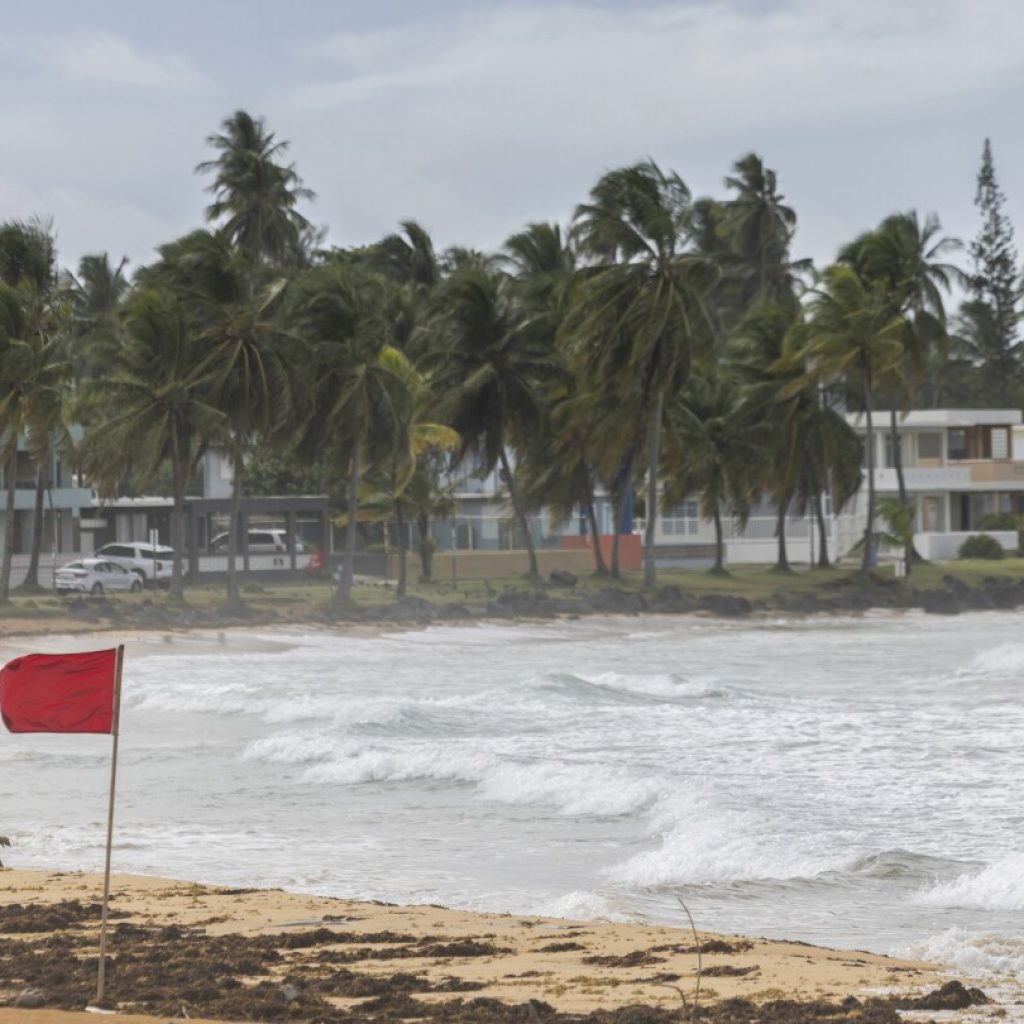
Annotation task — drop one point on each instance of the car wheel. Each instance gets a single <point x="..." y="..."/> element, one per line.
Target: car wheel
<point x="136" y="587"/>
<point x="97" y="588"/>
<point x="141" y="575"/>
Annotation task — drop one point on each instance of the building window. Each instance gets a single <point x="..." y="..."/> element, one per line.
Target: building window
<point x="929" y="446"/>
<point x="1000" y="443"/>
<point x="683" y="520"/>
<point x="957" y="443"/>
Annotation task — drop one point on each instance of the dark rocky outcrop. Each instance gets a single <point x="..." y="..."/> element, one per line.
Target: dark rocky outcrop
<point x="729" y="605"/>
<point x="563" y="578"/>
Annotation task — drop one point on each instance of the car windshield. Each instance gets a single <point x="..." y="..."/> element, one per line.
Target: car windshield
<point x="72" y="565"/>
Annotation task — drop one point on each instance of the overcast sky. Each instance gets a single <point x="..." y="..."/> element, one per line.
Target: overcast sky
<point x="475" y="117"/>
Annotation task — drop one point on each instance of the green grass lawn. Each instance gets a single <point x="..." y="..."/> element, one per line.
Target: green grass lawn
<point x="294" y="600"/>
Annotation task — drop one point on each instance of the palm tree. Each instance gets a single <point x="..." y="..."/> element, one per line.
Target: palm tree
<point x="248" y="365"/>
<point x="642" y="319"/>
<point x="150" y="407"/>
<point x="33" y="383"/>
<point x="761" y="358"/>
<point x="97" y="291"/>
<point x="852" y="333"/>
<point x="761" y="227"/>
<point x="355" y="393"/>
<point x="906" y="260"/>
<point x="712" y="451"/>
<point x="408" y="258"/>
<point x="491" y="361"/>
<point x="28" y="263"/>
<point x="255" y="195"/>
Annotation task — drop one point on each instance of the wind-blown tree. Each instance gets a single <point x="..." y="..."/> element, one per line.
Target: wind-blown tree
<point x="712" y="451"/>
<point x="642" y="317"/>
<point x="491" y="362"/>
<point x="407" y="258"/>
<point x="408" y="463"/>
<point x="33" y="383"/>
<point x="353" y="393"/>
<point x="905" y="259"/>
<point x="249" y="361"/>
<point x="28" y="263"/>
<point x="774" y="391"/>
<point x="851" y="333"/>
<point x="833" y="460"/>
<point x="559" y="461"/>
<point x="761" y="227"/>
<point x="255" y="194"/>
<point x="97" y="291"/>
<point x="151" y="407"/>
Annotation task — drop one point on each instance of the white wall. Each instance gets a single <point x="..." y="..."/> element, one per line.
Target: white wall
<point x="944" y="547"/>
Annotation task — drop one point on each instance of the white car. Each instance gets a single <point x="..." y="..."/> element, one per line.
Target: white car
<point x="95" y="576"/>
<point x="151" y="563"/>
<point x="265" y="541"/>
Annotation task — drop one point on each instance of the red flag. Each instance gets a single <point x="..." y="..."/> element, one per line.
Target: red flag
<point x="59" y="692"/>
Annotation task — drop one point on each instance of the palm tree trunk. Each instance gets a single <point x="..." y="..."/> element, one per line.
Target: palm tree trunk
<point x="236" y="495"/>
<point x="867" y="561"/>
<point x="520" y="514"/>
<point x="719" y="541"/>
<point x="782" y="562"/>
<point x="909" y="551"/>
<point x="402" y="546"/>
<point x="179" y="474"/>
<point x="5" y="564"/>
<point x="595" y="534"/>
<point x="819" y="514"/>
<point x="426" y="549"/>
<point x="654" y="441"/>
<point x="348" y="570"/>
<point x="31" y="580"/>
<point x="619" y="511"/>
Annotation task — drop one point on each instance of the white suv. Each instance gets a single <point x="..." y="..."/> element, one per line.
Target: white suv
<point x="261" y="541"/>
<point x="150" y="562"/>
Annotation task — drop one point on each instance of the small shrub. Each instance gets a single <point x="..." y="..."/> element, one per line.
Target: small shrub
<point x="980" y="545"/>
<point x="1004" y="521"/>
<point x="1000" y="521"/>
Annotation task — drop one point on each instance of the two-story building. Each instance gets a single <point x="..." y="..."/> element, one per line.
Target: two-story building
<point x="959" y="466"/>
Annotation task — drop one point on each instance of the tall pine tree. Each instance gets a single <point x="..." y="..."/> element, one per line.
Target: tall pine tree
<point x="990" y="317"/>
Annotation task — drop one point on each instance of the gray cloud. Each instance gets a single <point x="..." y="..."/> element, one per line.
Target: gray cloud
<point x="475" y="118"/>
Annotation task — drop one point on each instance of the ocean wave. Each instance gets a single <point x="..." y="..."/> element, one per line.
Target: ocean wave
<point x="290" y="748"/>
<point x="998" y="887"/>
<point x="581" y="789"/>
<point x="1004" y="660"/>
<point x="638" y="689"/>
<point x="980" y="955"/>
<point x="701" y="842"/>
<point x="579" y="905"/>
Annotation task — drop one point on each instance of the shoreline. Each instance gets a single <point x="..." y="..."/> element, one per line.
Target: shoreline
<point x="734" y="599"/>
<point x="381" y="961"/>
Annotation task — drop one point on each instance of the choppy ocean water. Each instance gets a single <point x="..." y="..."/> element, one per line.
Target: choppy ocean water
<point x="851" y="782"/>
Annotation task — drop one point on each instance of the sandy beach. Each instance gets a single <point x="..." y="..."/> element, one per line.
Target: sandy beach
<point x="235" y="954"/>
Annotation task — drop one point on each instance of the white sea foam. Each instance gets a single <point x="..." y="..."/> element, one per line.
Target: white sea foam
<point x="1005" y="659"/>
<point x="290" y="748"/>
<point x="999" y="887"/>
<point x="579" y="905"/>
<point x="977" y="954"/>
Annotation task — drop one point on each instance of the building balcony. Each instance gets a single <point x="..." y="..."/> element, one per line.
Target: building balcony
<point x="939" y="478"/>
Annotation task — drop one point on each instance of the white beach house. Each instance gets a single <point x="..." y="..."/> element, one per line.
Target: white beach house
<point x="959" y="466"/>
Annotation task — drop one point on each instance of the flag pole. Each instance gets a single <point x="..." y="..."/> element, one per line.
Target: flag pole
<point x="100" y="978"/>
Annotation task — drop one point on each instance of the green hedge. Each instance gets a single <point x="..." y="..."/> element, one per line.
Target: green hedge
<point x="981" y="546"/>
